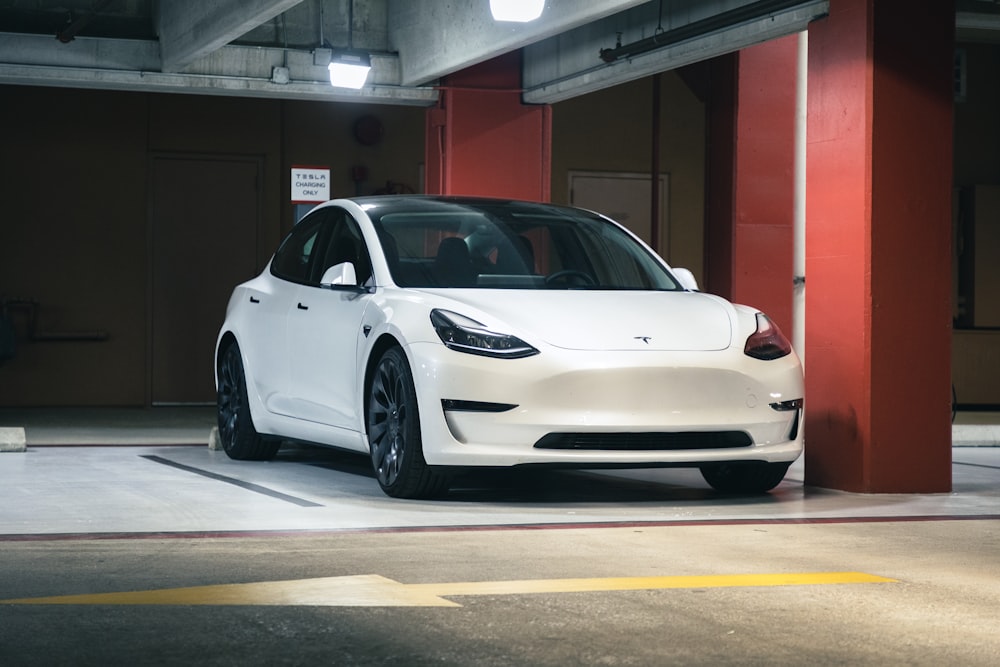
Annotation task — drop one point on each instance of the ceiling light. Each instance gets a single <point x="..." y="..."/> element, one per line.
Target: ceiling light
<point x="349" y="69"/>
<point x="520" y="11"/>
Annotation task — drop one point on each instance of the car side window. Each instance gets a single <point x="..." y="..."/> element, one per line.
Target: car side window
<point x="296" y="254"/>
<point x="343" y="243"/>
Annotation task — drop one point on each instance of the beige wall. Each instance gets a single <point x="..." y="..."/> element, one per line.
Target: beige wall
<point x="611" y="130"/>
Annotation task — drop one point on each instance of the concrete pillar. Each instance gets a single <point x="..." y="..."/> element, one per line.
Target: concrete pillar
<point x="481" y="140"/>
<point x="878" y="314"/>
<point x="12" y="439"/>
<point x="750" y="186"/>
<point x="765" y="152"/>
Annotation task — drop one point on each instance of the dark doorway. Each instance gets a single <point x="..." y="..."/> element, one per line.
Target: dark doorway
<point x="204" y="217"/>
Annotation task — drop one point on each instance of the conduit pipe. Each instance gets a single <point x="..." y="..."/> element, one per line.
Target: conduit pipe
<point x="799" y="200"/>
<point x="654" y="171"/>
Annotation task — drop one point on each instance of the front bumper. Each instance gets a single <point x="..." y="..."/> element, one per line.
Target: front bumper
<point x="618" y="393"/>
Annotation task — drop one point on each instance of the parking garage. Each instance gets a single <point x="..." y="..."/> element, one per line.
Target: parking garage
<point x="150" y="172"/>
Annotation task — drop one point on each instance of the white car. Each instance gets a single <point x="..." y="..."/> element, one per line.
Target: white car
<point x="441" y="333"/>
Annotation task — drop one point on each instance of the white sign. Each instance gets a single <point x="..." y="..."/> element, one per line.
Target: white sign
<point x="310" y="185"/>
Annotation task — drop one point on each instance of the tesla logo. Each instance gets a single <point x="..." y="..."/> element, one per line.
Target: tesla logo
<point x="644" y="339"/>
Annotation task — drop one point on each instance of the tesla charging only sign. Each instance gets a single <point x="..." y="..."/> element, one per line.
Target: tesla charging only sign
<point x="310" y="185"/>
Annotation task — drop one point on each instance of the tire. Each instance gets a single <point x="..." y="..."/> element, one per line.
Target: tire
<point x="744" y="478"/>
<point x="239" y="438"/>
<point x="394" y="432"/>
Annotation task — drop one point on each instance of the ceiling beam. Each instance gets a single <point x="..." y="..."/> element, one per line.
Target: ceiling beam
<point x="133" y="65"/>
<point x="202" y="84"/>
<point x="689" y="31"/>
<point x="192" y="29"/>
<point x="435" y="38"/>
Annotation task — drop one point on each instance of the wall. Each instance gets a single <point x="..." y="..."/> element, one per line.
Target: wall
<point x="976" y="351"/>
<point x="73" y="237"/>
<point x="74" y="227"/>
<point x="323" y="133"/>
<point x="977" y="133"/>
<point x="611" y="130"/>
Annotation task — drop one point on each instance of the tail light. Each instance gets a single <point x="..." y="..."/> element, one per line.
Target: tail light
<point x="767" y="342"/>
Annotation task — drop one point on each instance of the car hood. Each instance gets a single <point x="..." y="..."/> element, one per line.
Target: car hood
<point x="599" y="320"/>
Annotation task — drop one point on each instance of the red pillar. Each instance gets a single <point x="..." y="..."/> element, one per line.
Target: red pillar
<point x="751" y="144"/>
<point x="878" y="262"/>
<point x="763" y="196"/>
<point x="481" y="139"/>
<point x="751" y="153"/>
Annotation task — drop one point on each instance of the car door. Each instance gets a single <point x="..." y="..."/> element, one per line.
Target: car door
<point x="325" y="331"/>
<point x="270" y="302"/>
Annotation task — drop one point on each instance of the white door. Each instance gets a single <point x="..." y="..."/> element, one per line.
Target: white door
<point x="324" y="331"/>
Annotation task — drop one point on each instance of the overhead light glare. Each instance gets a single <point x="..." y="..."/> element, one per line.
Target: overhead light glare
<point x="349" y="69"/>
<point x="520" y="11"/>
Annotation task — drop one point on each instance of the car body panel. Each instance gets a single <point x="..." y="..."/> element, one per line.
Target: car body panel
<point x="677" y="321"/>
<point x="608" y="362"/>
<point x="324" y="329"/>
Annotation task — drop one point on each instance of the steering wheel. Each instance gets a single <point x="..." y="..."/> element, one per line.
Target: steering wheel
<point x="571" y="275"/>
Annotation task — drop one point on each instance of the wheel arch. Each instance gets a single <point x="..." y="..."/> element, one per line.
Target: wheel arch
<point x="384" y="342"/>
<point x="226" y="340"/>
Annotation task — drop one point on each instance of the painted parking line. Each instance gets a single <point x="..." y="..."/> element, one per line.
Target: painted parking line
<point x="372" y="590"/>
<point x="249" y="486"/>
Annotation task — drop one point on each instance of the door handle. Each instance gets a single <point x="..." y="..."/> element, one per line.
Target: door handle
<point x="301" y="307"/>
<point x="254" y="299"/>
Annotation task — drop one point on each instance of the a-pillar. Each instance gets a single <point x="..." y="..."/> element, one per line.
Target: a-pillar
<point x="878" y="258"/>
<point x="482" y="140"/>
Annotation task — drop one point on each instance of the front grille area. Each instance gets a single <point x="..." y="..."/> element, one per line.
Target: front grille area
<point x="646" y="441"/>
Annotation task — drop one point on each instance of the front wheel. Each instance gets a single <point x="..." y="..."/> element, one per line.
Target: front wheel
<point x="744" y="478"/>
<point x="239" y="438"/>
<point x="394" y="432"/>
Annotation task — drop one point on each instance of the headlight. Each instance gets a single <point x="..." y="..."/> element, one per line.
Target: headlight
<point x="463" y="334"/>
<point x="767" y="342"/>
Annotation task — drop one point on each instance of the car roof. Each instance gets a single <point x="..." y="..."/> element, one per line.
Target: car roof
<point x="416" y="203"/>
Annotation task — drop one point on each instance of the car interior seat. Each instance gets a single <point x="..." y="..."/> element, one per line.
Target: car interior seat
<point x="453" y="265"/>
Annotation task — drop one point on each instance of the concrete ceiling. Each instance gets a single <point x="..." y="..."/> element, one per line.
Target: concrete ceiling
<point x="264" y="48"/>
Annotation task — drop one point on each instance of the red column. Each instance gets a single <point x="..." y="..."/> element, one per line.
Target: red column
<point x="763" y="162"/>
<point x="481" y="139"/>
<point x="878" y="315"/>
<point x="748" y="208"/>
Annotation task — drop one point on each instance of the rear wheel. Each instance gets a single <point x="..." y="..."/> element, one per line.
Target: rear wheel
<point x="239" y="438"/>
<point x="745" y="478"/>
<point x="394" y="432"/>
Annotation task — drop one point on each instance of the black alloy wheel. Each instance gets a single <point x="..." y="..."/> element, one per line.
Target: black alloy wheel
<point x="394" y="432"/>
<point x="239" y="438"/>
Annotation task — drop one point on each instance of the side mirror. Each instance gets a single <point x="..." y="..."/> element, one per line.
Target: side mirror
<point x="339" y="275"/>
<point x="686" y="279"/>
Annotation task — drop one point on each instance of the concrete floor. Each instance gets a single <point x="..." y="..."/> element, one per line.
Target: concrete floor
<point x="155" y="549"/>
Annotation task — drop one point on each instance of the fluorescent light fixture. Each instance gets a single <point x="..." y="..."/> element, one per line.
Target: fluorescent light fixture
<point x="349" y="69"/>
<point x="520" y="11"/>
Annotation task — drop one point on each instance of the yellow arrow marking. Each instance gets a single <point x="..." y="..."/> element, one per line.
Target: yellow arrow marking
<point x="372" y="590"/>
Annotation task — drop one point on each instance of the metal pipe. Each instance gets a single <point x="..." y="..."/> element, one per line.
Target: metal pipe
<point x="654" y="185"/>
<point x="799" y="200"/>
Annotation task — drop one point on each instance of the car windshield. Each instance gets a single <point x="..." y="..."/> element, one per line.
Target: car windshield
<point x="510" y="245"/>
